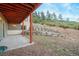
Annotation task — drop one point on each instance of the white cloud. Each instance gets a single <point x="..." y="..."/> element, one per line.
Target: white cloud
<point x="67" y="6"/>
<point x="49" y="4"/>
<point x="72" y="17"/>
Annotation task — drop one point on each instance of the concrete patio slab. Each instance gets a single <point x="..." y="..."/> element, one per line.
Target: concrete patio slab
<point x="13" y="32"/>
<point x="15" y="41"/>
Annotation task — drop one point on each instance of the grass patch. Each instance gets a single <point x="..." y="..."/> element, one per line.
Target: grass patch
<point x="59" y="23"/>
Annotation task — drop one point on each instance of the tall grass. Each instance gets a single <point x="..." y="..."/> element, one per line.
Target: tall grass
<point x="59" y="23"/>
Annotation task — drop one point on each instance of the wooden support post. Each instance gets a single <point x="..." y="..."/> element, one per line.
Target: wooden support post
<point x="30" y="28"/>
<point x="23" y="28"/>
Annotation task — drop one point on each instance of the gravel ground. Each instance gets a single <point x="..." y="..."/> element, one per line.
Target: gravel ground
<point x="66" y="44"/>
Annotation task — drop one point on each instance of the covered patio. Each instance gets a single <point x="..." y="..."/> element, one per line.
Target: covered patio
<point x="16" y="13"/>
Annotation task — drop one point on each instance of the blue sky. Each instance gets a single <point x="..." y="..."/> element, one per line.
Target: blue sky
<point x="70" y="10"/>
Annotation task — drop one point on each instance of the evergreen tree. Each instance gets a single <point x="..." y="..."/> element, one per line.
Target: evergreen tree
<point x="39" y="15"/>
<point x="54" y="16"/>
<point x="36" y="17"/>
<point x="42" y="16"/>
<point x="36" y="14"/>
<point x="60" y="17"/>
<point x="48" y="15"/>
<point x="67" y="19"/>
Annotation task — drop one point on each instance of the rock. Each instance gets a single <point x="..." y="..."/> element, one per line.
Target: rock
<point x="44" y="30"/>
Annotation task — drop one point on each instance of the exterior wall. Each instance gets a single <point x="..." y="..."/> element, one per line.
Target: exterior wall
<point x="19" y="26"/>
<point x="14" y="27"/>
<point x="3" y="27"/>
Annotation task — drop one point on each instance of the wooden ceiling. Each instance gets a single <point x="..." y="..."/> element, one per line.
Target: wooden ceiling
<point x="15" y="13"/>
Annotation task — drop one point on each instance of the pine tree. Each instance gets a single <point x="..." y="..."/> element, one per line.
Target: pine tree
<point x="48" y="15"/>
<point x="39" y="15"/>
<point x="42" y="16"/>
<point x="60" y="17"/>
<point x="54" y="16"/>
<point x="36" y="14"/>
<point x="67" y="19"/>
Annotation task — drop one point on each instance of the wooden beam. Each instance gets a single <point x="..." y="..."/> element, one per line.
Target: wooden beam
<point x="30" y="28"/>
<point x="13" y="7"/>
<point x="19" y="7"/>
<point x="23" y="28"/>
<point x="27" y="5"/>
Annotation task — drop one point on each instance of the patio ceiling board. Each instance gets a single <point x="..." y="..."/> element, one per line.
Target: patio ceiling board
<point x="15" y="13"/>
<point x="29" y="6"/>
<point x="18" y="17"/>
<point x="19" y="7"/>
<point x="12" y="7"/>
<point x="3" y="10"/>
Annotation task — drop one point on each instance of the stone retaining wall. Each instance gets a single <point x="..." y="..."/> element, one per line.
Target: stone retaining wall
<point x="44" y="30"/>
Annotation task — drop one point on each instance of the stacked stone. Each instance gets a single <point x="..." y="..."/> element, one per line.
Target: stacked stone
<point x="44" y="30"/>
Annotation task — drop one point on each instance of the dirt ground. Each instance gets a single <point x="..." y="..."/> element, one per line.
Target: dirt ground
<point x="66" y="44"/>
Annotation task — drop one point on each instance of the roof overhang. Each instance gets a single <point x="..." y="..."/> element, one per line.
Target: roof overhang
<point x="15" y="13"/>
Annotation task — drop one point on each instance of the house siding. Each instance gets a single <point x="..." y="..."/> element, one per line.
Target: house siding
<point x="3" y="27"/>
<point x="19" y="26"/>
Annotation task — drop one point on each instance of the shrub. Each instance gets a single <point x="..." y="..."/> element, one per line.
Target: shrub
<point x="58" y="23"/>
